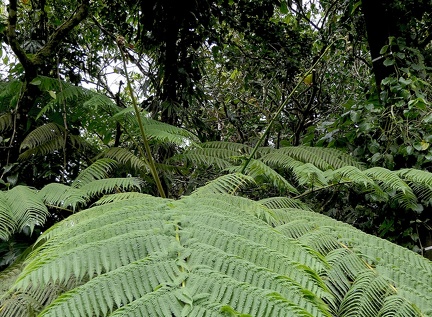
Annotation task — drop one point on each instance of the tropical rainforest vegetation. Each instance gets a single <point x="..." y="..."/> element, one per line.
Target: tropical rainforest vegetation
<point x="215" y="158"/>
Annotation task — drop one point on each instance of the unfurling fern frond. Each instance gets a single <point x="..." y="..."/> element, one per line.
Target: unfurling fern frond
<point x="214" y="254"/>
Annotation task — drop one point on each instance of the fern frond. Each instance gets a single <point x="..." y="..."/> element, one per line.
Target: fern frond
<point x="309" y="175"/>
<point x="97" y="289"/>
<point x="368" y="284"/>
<point x="420" y="181"/>
<point x="7" y="223"/>
<point x="41" y="135"/>
<point x="229" y="183"/>
<point x="106" y="199"/>
<point x="71" y="92"/>
<point x="356" y="176"/>
<point x="124" y="156"/>
<point x="284" y="202"/>
<point x="5" y="122"/>
<point x="261" y="172"/>
<point x="201" y="157"/>
<point x="279" y="159"/>
<point x="230" y="202"/>
<point x="20" y="208"/>
<point x="238" y="148"/>
<point x="212" y="254"/>
<point x="63" y="196"/>
<point x="164" y="132"/>
<point x="323" y="158"/>
<point x="411" y="272"/>
<point x="108" y="185"/>
<point x="49" y="146"/>
<point x="97" y="170"/>
<point x="389" y="181"/>
<point x="66" y="94"/>
<point x="100" y="101"/>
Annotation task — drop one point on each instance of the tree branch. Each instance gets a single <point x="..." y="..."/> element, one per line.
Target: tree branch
<point x="11" y="35"/>
<point x="56" y="38"/>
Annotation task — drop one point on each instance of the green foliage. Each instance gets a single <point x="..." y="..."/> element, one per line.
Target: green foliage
<point x="20" y="209"/>
<point x="23" y="208"/>
<point x="215" y="254"/>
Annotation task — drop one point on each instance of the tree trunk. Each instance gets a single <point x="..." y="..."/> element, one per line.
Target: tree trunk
<point x="380" y="25"/>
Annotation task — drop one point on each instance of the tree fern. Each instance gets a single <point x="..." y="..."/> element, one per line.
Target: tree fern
<point x="261" y="172"/>
<point x="309" y="175"/>
<point x="43" y="134"/>
<point x="202" y="157"/>
<point x="125" y="156"/>
<point x="47" y="139"/>
<point x="118" y="197"/>
<point x="240" y="149"/>
<point x="159" y="131"/>
<point x="421" y="181"/>
<point x="97" y="170"/>
<point x="308" y="169"/>
<point x="212" y="255"/>
<point x="20" y="208"/>
<point x="323" y="158"/>
<point x="64" y="196"/>
<point x="229" y="183"/>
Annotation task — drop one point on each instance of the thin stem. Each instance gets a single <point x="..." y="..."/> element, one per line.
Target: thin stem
<point x="64" y="122"/>
<point x="276" y="115"/>
<point x="141" y="127"/>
